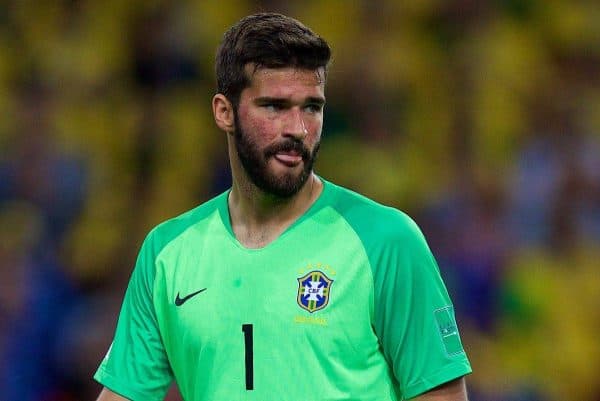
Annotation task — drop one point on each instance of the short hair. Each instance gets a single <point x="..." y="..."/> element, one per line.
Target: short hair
<point x="268" y="40"/>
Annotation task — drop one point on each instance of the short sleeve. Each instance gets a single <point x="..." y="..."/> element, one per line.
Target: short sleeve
<point x="413" y="314"/>
<point x="136" y="365"/>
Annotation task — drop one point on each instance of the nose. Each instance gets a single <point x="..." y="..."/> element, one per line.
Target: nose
<point x="296" y="126"/>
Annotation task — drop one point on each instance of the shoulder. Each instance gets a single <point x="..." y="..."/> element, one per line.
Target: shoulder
<point x="371" y="219"/>
<point x="392" y="241"/>
<point x="167" y="231"/>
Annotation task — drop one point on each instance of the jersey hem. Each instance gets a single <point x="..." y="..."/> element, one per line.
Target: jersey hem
<point x="116" y="386"/>
<point x="445" y="375"/>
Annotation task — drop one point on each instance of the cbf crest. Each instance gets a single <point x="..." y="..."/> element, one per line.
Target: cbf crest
<point x="314" y="290"/>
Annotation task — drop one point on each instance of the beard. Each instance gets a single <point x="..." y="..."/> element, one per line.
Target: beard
<point x="255" y="162"/>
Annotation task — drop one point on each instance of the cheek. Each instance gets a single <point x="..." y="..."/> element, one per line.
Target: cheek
<point x="314" y="130"/>
<point x="264" y="131"/>
<point x="261" y="130"/>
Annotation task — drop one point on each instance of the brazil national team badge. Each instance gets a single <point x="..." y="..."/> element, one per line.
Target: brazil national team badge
<point x="314" y="290"/>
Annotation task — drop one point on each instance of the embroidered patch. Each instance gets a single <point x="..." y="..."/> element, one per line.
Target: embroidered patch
<point x="314" y="290"/>
<point x="448" y="330"/>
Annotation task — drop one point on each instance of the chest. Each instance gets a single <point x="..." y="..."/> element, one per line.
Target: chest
<point x="321" y="293"/>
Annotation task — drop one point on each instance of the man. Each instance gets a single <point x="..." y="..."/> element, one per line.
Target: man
<point x="286" y="287"/>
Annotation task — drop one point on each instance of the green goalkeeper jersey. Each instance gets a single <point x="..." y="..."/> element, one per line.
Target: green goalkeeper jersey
<point x="347" y="304"/>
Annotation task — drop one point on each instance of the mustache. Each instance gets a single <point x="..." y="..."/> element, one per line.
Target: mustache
<point x="288" y="145"/>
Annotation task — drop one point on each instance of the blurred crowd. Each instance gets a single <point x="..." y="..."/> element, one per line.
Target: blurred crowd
<point x="480" y="119"/>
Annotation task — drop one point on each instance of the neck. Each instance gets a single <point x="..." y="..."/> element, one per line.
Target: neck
<point x="258" y="218"/>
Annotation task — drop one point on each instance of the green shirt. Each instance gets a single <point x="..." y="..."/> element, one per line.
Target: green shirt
<point x="347" y="304"/>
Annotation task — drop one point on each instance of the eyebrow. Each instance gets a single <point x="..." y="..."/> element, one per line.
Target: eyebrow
<point x="276" y="100"/>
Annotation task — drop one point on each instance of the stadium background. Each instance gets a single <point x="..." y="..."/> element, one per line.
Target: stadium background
<point x="481" y="119"/>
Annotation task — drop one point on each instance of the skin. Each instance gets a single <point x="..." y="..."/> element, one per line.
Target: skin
<point x="280" y="104"/>
<point x="455" y="390"/>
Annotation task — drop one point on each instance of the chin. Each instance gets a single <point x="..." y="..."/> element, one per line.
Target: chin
<point x="285" y="185"/>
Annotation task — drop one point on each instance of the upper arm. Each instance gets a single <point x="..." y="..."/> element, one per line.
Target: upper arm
<point x="136" y="364"/>
<point x="414" y="317"/>
<point x="454" y="390"/>
<point x="107" y="395"/>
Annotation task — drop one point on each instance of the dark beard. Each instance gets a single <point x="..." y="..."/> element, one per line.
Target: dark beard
<point x="255" y="163"/>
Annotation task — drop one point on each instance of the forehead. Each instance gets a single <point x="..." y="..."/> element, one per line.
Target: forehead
<point x="285" y="82"/>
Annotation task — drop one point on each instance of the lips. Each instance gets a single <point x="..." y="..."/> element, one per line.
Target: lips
<point x="290" y="153"/>
<point x="290" y="159"/>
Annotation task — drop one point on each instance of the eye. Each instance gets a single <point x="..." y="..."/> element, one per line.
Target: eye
<point x="313" y="108"/>
<point x="272" y="107"/>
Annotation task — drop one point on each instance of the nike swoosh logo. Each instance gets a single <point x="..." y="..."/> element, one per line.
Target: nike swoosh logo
<point x="180" y="301"/>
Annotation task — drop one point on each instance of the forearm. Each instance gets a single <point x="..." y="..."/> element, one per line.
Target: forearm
<point x="107" y="395"/>
<point x="454" y="390"/>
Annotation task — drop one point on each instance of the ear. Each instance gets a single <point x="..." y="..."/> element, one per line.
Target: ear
<point x="223" y="113"/>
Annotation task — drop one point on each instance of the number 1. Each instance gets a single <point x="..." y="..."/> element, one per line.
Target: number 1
<point x="249" y="357"/>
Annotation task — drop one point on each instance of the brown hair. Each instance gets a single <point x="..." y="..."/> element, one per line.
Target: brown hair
<point x="266" y="40"/>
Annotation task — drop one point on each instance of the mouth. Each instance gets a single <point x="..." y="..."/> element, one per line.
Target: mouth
<point x="290" y="154"/>
<point x="290" y="159"/>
